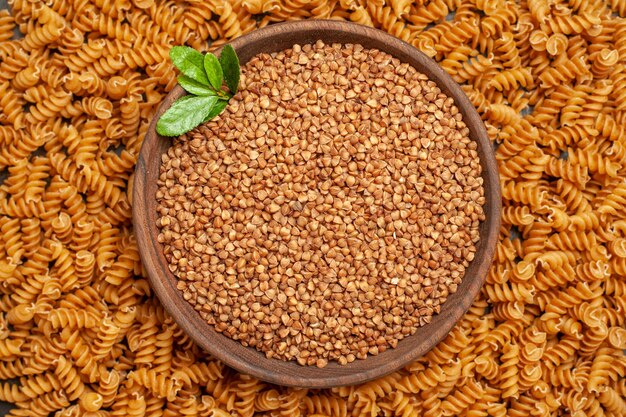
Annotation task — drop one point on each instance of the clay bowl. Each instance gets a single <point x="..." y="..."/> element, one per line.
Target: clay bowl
<point x="248" y="360"/>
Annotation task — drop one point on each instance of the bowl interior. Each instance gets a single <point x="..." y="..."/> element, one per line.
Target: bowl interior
<point x="248" y="360"/>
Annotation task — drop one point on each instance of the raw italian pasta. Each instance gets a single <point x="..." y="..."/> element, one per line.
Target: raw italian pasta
<point x="80" y="332"/>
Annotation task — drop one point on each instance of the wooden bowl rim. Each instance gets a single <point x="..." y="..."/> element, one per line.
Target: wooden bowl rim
<point x="271" y="370"/>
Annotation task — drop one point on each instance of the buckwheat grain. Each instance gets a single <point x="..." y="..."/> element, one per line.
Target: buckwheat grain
<point x="329" y="211"/>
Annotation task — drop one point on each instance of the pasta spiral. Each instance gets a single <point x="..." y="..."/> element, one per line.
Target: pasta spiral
<point x="79" y="331"/>
<point x="70" y="380"/>
<point x="159" y="385"/>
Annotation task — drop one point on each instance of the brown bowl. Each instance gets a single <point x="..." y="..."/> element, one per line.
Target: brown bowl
<point x="248" y="360"/>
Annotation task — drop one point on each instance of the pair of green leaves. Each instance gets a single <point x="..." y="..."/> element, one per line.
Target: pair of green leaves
<point x="202" y="77"/>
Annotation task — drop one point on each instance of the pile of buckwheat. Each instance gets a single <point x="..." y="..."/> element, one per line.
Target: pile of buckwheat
<point x="329" y="211"/>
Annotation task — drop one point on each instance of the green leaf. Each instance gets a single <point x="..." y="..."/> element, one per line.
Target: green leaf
<point x="213" y="70"/>
<point x="185" y="114"/>
<point x="217" y="109"/>
<point x="190" y="62"/>
<point x="230" y="66"/>
<point x="194" y="87"/>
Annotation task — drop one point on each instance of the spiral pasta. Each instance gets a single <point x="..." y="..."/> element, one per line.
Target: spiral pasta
<point x="71" y="318"/>
<point x="160" y="385"/>
<point x="76" y="98"/>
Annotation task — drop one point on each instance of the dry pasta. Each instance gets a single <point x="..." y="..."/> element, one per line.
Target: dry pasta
<point x="80" y="332"/>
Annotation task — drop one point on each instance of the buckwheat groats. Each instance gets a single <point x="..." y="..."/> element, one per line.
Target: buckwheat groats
<point x="329" y="211"/>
